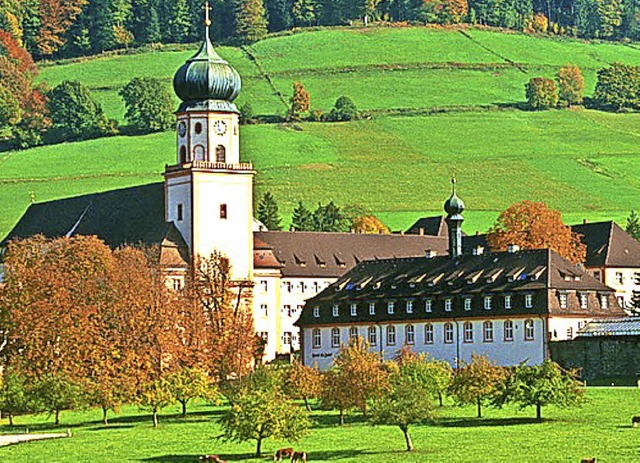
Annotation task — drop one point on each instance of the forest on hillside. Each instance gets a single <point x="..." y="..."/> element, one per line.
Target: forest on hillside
<point x="67" y="28"/>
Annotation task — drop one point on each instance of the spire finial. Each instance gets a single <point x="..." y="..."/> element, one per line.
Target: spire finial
<point x="453" y="184"/>
<point x="207" y="18"/>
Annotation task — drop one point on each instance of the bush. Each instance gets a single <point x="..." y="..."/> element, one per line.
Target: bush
<point x="618" y="88"/>
<point x="317" y="115"/>
<point x="541" y="93"/>
<point x="344" y="110"/>
<point x="571" y="84"/>
<point x="148" y="103"/>
<point x="247" y="116"/>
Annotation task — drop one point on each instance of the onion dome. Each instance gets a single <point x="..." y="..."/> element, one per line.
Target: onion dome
<point x="206" y="76"/>
<point x="454" y="205"/>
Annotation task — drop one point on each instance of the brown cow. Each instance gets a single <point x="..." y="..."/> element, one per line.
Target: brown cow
<point x="635" y="421"/>
<point x="588" y="460"/>
<point x="211" y="458"/>
<point x="299" y="456"/>
<point x="282" y="453"/>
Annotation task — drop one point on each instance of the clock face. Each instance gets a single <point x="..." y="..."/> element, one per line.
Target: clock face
<point x="182" y="129"/>
<point x="220" y="127"/>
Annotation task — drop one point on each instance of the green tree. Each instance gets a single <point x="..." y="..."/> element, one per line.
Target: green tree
<point x="633" y="225"/>
<point x="146" y="21"/>
<point x="405" y="403"/>
<point x="303" y="382"/>
<point x="259" y="410"/>
<point x="55" y="393"/>
<point x="544" y="384"/>
<point x="14" y="395"/>
<point x="279" y="14"/>
<point x="477" y="382"/>
<point x="541" y="93"/>
<point x="302" y="219"/>
<point x="304" y="12"/>
<point x="251" y="20"/>
<point x="148" y="104"/>
<point x="618" y="88"/>
<point x="75" y="114"/>
<point x="175" y="20"/>
<point x="247" y="115"/>
<point x="156" y="395"/>
<point x="268" y="212"/>
<point x="344" y="110"/>
<point x="329" y="218"/>
<point x="435" y="375"/>
<point x="10" y="110"/>
<point x="570" y="84"/>
<point x="191" y="383"/>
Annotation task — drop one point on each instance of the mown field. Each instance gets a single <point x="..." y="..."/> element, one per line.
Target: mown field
<point x="601" y="428"/>
<point x="442" y="104"/>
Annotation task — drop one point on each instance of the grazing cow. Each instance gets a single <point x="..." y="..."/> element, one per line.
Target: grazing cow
<point x="283" y="453"/>
<point x="211" y="458"/>
<point x="588" y="460"/>
<point x="299" y="457"/>
<point x="635" y="421"/>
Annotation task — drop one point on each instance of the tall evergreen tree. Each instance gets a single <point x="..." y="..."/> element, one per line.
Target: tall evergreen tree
<point x="633" y="225"/>
<point x="302" y="219"/>
<point x="278" y="14"/>
<point x="175" y="20"/>
<point x="145" y="21"/>
<point x="329" y="218"/>
<point x="268" y="212"/>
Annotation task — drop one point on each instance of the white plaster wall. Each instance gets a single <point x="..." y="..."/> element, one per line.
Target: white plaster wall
<point x="230" y="139"/>
<point x="179" y="192"/>
<point x="559" y="327"/>
<point x="630" y="283"/>
<point x="232" y="236"/>
<point x="268" y="323"/>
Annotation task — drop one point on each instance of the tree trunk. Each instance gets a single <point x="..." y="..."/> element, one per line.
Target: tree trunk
<point x="341" y="417"/>
<point x="258" y="447"/>
<point x="10" y="419"/>
<point x="57" y="422"/>
<point x="155" y="417"/>
<point x="407" y="438"/>
<point x="440" y="398"/>
<point x="479" y="408"/>
<point x="105" y="420"/>
<point x="538" y="412"/>
<point x="306" y="404"/>
<point x="184" y="408"/>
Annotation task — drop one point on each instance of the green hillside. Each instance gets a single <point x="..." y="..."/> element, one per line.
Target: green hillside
<point x="441" y="103"/>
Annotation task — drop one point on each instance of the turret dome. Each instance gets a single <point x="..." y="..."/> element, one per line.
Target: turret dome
<point x="206" y="76"/>
<point x="454" y="205"/>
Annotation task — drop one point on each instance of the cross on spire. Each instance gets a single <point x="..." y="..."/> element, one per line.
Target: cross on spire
<point x="207" y="11"/>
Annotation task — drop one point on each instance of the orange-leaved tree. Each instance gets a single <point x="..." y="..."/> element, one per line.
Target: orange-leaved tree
<point x="532" y="225"/>
<point x="370" y="224"/>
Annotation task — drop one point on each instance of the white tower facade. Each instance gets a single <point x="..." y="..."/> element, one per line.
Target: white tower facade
<point x="209" y="192"/>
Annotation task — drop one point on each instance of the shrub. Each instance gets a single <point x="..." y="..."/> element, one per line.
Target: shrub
<point x="618" y="88"/>
<point x="148" y="104"/>
<point x="247" y="116"/>
<point x="344" y="110"/>
<point x="541" y="93"/>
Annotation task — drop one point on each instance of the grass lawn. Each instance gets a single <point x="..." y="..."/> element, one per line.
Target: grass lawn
<point x="600" y="428"/>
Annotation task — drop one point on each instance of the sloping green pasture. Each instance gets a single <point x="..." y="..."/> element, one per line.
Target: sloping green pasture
<point x="601" y="428"/>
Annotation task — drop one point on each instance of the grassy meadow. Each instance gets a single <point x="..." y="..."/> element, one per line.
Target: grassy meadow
<point x="600" y="428"/>
<point x="443" y="102"/>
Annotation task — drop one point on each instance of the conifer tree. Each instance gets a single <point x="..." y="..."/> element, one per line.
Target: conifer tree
<point x="268" y="212"/>
<point x="302" y="219"/>
<point x="251" y="20"/>
<point x="633" y="225"/>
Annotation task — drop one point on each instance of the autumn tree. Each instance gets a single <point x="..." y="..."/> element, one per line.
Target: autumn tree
<point x="545" y="384"/>
<point x="541" y="93"/>
<point x="570" y="84"/>
<point x="156" y="395"/>
<point x="186" y="384"/>
<point x="300" y="101"/>
<point x="435" y="375"/>
<point x="149" y="104"/>
<point x="633" y="225"/>
<point x="251" y="20"/>
<point x="406" y="401"/>
<point x="267" y="212"/>
<point x="259" y="410"/>
<point x="533" y="225"/>
<point x="303" y="382"/>
<point x="370" y="224"/>
<point x="476" y="383"/>
<point x="56" y="17"/>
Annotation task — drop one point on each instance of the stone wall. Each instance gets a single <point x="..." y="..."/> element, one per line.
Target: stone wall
<point x="603" y="360"/>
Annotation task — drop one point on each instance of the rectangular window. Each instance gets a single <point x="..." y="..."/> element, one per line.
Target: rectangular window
<point x="390" y="307"/>
<point x="264" y="285"/>
<point x="528" y="301"/>
<point x="619" y="278"/>
<point x="508" y="330"/>
<point x="180" y="217"/>
<point x="428" y="305"/>
<point x="507" y="301"/>
<point x="354" y="310"/>
<point x="528" y="330"/>
<point x="335" y="337"/>
<point x="177" y="284"/>
<point x="336" y="310"/>
<point x="316" y="312"/>
<point x="264" y="310"/>
<point x="468" y="332"/>
<point x="584" y="301"/>
<point x="302" y="286"/>
<point x="317" y="339"/>
<point x="448" y="303"/>
<point x="264" y="335"/>
<point x="287" y="286"/>
<point x="316" y="287"/>
<point x="570" y="333"/>
<point x="286" y="338"/>
<point x="448" y="333"/>
<point x="353" y="333"/>
<point x="604" y="301"/>
<point x="487" y="303"/>
<point x="563" y="301"/>
<point x="409" y="334"/>
<point x="287" y="310"/>
<point x="223" y="211"/>
<point x="487" y="331"/>
<point x="391" y="335"/>
<point x="636" y="278"/>
<point x="428" y="333"/>
<point x="467" y="303"/>
<point x="372" y="308"/>
<point x="373" y="336"/>
<point x="409" y="306"/>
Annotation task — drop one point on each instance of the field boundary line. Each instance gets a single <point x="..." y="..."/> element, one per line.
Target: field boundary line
<point x="9" y="181"/>
<point x="508" y="60"/>
<point x="266" y="75"/>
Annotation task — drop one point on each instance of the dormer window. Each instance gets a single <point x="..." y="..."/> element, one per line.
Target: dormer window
<point x="316" y="312"/>
<point x="372" y="308"/>
<point x="584" y="301"/>
<point x="428" y="305"/>
<point x="604" y="301"/>
<point x="467" y="303"/>
<point x="487" y="303"/>
<point x="507" y="301"/>
<point x="448" y="304"/>
<point x="336" y="310"/>
<point x="563" y="300"/>
<point x="528" y="301"/>
<point x="409" y="306"/>
<point x="390" y="307"/>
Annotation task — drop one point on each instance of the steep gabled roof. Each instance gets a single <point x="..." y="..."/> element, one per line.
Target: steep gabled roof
<point x="608" y="245"/>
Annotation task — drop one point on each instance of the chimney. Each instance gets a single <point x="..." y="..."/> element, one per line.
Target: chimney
<point x="478" y="250"/>
<point x="512" y="248"/>
<point x="421" y="231"/>
<point x="584" y="221"/>
<point x="430" y="253"/>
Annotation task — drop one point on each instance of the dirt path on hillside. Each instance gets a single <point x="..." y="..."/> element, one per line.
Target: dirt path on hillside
<point x="9" y="439"/>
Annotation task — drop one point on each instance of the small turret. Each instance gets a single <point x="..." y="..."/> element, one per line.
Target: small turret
<point x="454" y="207"/>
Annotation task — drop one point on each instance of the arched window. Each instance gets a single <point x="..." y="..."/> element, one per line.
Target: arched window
<point x="409" y="334"/>
<point x="198" y="128"/>
<point x="468" y="332"/>
<point x="353" y="333"/>
<point x="448" y="333"/>
<point x="183" y="154"/>
<point x="198" y="153"/>
<point x="317" y="339"/>
<point x="487" y="330"/>
<point x="373" y="336"/>
<point x="221" y="154"/>
<point x="428" y="333"/>
<point x="335" y="337"/>
<point x="508" y="330"/>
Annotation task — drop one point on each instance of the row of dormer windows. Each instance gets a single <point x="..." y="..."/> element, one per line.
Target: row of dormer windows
<point x="448" y="337"/>
<point x="489" y="302"/>
<point x="583" y="298"/>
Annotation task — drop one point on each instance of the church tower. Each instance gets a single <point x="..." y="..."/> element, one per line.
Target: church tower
<point x="209" y="192"/>
<point x="454" y="207"/>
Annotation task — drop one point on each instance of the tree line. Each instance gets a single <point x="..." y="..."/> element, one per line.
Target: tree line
<point x="64" y="28"/>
